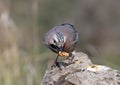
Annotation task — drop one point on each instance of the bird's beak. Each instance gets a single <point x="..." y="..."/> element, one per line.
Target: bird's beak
<point x="60" y="49"/>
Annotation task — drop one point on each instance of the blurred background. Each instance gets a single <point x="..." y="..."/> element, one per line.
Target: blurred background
<point x="23" y="24"/>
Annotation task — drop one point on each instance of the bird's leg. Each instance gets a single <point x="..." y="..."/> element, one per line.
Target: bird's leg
<point x="70" y="58"/>
<point x="56" y="63"/>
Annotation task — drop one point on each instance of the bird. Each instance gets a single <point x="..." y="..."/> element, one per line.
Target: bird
<point x="62" y="39"/>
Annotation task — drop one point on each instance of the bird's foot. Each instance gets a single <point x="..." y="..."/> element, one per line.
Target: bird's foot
<point x="56" y="64"/>
<point x="70" y="58"/>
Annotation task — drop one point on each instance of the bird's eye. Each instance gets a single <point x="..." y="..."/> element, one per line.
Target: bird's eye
<point x="54" y="41"/>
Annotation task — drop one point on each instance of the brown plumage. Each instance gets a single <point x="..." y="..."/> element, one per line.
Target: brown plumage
<point x="61" y="38"/>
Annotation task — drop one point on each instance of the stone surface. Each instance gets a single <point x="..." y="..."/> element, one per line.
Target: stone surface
<point x="81" y="72"/>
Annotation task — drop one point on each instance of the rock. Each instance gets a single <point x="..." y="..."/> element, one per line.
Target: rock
<point x="81" y="72"/>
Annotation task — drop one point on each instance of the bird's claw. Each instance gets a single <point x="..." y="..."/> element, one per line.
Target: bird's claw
<point x="71" y="57"/>
<point x="56" y="64"/>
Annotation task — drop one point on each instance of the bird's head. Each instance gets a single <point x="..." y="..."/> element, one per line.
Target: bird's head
<point x="56" y="42"/>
